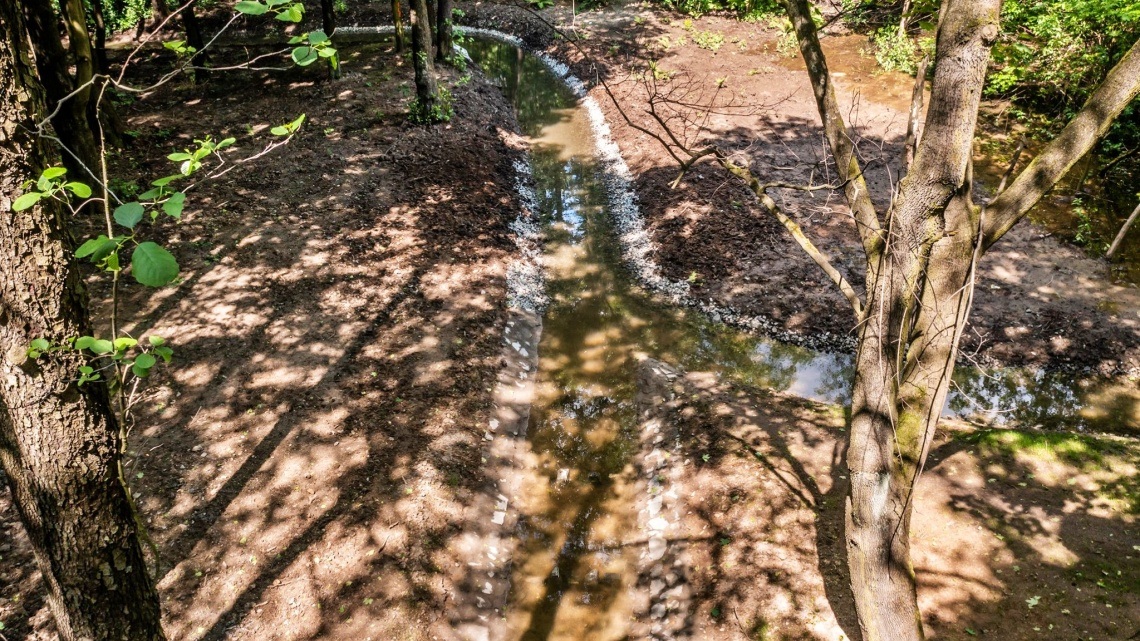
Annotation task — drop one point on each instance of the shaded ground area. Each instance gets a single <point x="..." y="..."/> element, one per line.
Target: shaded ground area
<point x="1040" y="302"/>
<point x="307" y="458"/>
<point x="1016" y="535"/>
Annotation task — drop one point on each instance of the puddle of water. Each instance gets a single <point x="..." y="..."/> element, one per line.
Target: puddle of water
<point x="578" y="534"/>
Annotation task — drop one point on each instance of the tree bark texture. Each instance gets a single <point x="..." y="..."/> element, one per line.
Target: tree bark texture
<point x="101" y="61"/>
<point x="921" y="261"/>
<point x="71" y="126"/>
<point x="422" y="56"/>
<point x="398" y="23"/>
<point x="328" y="17"/>
<point x="444" y="40"/>
<point x="59" y="443"/>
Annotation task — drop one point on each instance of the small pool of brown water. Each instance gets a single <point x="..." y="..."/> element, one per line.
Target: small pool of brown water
<point x="578" y="536"/>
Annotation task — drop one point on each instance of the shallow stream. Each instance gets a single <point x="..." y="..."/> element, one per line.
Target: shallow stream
<point x="573" y="568"/>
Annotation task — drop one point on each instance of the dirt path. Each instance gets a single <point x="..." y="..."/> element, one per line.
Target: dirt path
<point x="305" y="462"/>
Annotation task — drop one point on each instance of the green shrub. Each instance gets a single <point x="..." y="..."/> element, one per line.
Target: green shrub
<point x="895" y="52"/>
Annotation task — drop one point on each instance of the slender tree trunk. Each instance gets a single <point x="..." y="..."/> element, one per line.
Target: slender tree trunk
<point x="101" y="61"/>
<point x="429" y="6"/>
<point x="398" y="23"/>
<point x="81" y="156"/>
<point x="444" y="41"/>
<point x="194" y="39"/>
<point x="422" y="57"/>
<point x="328" y="17"/>
<point x="59" y="443"/>
<point x="75" y="17"/>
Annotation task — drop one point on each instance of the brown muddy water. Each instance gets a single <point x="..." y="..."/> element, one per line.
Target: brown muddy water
<point x="579" y="540"/>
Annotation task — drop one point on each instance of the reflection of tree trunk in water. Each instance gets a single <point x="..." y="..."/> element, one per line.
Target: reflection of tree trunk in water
<point x="559" y="205"/>
<point x="398" y="23"/>
<point x="70" y="123"/>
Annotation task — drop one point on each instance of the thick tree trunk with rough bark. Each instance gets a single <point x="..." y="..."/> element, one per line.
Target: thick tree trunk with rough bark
<point x="59" y="443"/>
<point x="422" y="56"/>
<point x="921" y="261"/>
<point x="81" y="156"/>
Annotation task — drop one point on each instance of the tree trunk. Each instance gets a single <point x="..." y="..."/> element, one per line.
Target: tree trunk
<point x="194" y="39"/>
<point x="429" y="7"/>
<point x="101" y="61"/>
<point x="444" y="41"/>
<point x="59" y="443"/>
<point x="75" y="17"/>
<point x="422" y="57"/>
<point x="328" y="17"/>
<point x="398" y="23"/>
<point x="81" y="156"/>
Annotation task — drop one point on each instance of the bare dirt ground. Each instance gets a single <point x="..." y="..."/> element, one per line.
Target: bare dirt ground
<point x="307" y="462"/>
<point x="307" y="457"/>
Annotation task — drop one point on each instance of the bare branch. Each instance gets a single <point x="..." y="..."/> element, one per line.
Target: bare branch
<point x="838" y="137"/>
<point x="1012" y="165"/>
<point x="821" y="259"/>
<point x="914" y="121"/>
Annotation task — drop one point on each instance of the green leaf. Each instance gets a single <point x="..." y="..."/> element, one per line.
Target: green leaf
<point x="153" y="266"/>
<point x="165" y="353"/>
<point x="43" y="184"/>
<point x="304" y="56"/>
<point x="250" y="8"/>
<point x="91" y="246"/>
<point x="111" y="262"/>
<point x="79" y="189"/>
<point x="317" y="37"/>
<point x="51" y="173"/>
<point x="173" y="206"/>
<point x="102" y="346"/>
<point x="284" y="130"/>
<point x="296" y="40"/>
<point x="27" y="200"/>
<point x="106" y="249"/>
<point x="129" y="214"/>
<point x="146" y="361"/>
<point x="179" y="156"/>
<point x="156" y="340"/>
<point x="166" y="180"/>
<point x="293" y="14"/>
<point x="84" y="342"/>
<point x="124" y="343"/>
<point x="276" y="3"/>
<point x="151" y="194"/>
<point x="327" y="52"/>
<point x="226" y="143"/>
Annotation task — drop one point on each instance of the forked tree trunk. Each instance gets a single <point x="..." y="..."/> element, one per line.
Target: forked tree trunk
<point x="81" y="156"/>
<point x="422" y="56"/>
<point x="99" y="112"/>
<point x="444" y="41"/>
<point x="398" y="23"/>
<point x="59" y="443"/>
<point x="921" y="260"/>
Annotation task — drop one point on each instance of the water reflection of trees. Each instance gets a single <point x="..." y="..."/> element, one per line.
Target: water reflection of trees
<point x="1009" y="396"/>
<point x="538" y="97"/>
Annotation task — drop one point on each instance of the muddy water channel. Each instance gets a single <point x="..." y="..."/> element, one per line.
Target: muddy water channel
<point x="579" y="540"/>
